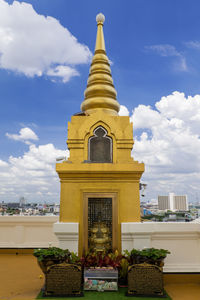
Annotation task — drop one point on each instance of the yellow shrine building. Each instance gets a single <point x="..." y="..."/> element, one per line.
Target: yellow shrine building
<point x="100" y="179"/>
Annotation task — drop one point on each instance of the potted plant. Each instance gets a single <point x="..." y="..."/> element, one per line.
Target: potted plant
<point x="145" y="273"/>
<point x="63" y="272"/>
<point x="50" y="256"/>
<point x="148" y="255"/>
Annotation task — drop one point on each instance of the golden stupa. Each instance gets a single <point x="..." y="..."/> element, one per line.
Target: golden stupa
<point x="100" y="179"/>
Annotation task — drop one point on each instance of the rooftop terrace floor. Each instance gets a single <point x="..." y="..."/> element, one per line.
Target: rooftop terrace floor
<point x="22" y="279"/>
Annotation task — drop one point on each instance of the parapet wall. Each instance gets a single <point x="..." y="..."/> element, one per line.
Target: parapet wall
<point x="27" y="231"/>
<point x="181" y="239"/>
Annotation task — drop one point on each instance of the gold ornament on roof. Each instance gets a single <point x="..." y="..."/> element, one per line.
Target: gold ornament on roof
<point x="100" y="94"/>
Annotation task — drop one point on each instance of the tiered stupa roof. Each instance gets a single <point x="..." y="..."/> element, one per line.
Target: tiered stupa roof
<point x="100" y="94"/>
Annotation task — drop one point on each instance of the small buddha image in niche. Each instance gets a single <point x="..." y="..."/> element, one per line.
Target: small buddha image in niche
<point x="99" y="237"/>
<point x="100" y="146"/>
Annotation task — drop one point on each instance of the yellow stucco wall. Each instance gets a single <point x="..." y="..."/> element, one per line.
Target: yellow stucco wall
<point x="121" y="177"/>
<point x="80" y="129"/>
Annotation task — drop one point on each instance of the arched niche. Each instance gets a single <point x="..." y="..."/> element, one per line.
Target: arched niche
<point x="100" y="146"/>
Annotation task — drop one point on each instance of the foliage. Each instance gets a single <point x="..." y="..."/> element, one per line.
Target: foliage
<point x="94" y="259"/>
<point x="101" y="259"/>
<point x="12" y="211"/>
<point x="149" y="255"/>
<point x="123" y="270"/>
<point x="56" y="254"/>
<point x="74" y="259"/>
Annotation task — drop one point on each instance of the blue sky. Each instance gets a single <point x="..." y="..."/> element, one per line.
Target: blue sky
<point x="154" y="47"/>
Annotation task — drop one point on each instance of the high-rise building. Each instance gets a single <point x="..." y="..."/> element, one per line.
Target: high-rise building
<point x="173" y="202"/>
<point x="22" y="202"/>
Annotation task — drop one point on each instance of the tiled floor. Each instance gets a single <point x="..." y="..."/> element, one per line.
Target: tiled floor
<point x="19" y="277"/>
<point x="22" y="279"/>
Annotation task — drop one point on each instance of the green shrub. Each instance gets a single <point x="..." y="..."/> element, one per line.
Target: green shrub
<point x="56" y="254"/>
<point x="149" y="255"/>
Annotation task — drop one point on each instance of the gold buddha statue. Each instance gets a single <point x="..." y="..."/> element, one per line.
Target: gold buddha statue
<point x="99" y="237"/>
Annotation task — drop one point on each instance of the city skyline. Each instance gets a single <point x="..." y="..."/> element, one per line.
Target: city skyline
<point x="46" y="49"/>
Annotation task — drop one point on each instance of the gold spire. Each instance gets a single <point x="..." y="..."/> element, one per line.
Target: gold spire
<point x="100" y="94"/>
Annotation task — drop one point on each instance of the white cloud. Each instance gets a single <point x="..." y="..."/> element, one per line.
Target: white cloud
<point x="152" y="117"/>
<point x="193" y="45"/>
<point x="36" y="45"/>
<point x="63" y="72"/>
<point x="168" y="141"/>
<point x="123" y="111"/>
<point x="25" y="134"/>
<point x="3" y="163"/>
<point x="166" y="50"/>
<point x="32" y="175"/>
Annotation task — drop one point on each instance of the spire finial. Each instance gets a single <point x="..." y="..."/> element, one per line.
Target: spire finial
<point x="100" y="94"/>
<point x="100" y="18"/>
<point x="100" y="43"/>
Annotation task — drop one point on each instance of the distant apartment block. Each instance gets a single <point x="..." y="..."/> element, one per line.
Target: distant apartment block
<point x="173" y="202"/>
